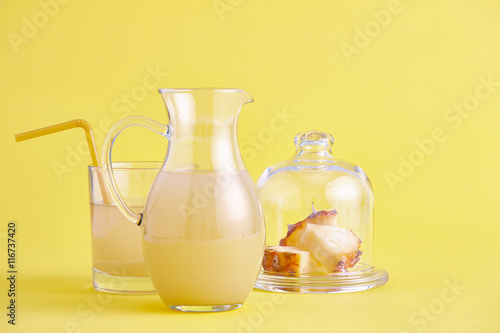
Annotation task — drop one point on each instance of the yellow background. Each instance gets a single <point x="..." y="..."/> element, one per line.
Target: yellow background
<point x="438" y="225"/>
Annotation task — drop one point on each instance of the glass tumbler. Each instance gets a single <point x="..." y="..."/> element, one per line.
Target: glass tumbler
<point x="117" y="259"/>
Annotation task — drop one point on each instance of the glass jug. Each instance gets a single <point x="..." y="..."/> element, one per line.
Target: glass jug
<point x="203" y="227"/>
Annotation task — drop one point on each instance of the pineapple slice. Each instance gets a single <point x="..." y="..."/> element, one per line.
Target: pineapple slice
<point x="296" y="230"/>
<point x="335" y="248"/>
<point x="289" y="260"/>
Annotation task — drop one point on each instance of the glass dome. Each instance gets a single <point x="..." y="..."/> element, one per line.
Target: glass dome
<point x="319" y="222"/>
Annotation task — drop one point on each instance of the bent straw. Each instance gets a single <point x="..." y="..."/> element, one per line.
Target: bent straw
<point x="65" y="126"/>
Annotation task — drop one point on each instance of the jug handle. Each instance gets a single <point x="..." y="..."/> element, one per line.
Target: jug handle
<point x="107" y="168"/>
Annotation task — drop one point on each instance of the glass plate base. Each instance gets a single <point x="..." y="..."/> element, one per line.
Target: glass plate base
<point x="364" y="278"/>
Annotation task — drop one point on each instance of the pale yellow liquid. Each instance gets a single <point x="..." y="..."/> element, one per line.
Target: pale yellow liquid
<point x="116" y="242"/>
<point x="203" y="237"/>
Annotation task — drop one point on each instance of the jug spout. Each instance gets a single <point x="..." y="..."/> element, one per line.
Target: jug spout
<point x="246" y="98"/>
<point x="216" y="103"/>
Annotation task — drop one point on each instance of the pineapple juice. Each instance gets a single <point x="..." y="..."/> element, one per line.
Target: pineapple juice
<point x="203" y="237"/>
<point x="116" y="243"/>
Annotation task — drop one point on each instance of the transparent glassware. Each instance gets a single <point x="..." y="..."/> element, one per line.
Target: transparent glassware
<point x="313" y="180"/>
<point x="117" y="260"/>
<point x="202" y="226"/>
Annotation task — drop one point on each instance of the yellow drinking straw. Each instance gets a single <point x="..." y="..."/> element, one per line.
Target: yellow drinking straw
<point x="65" y="126"/>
